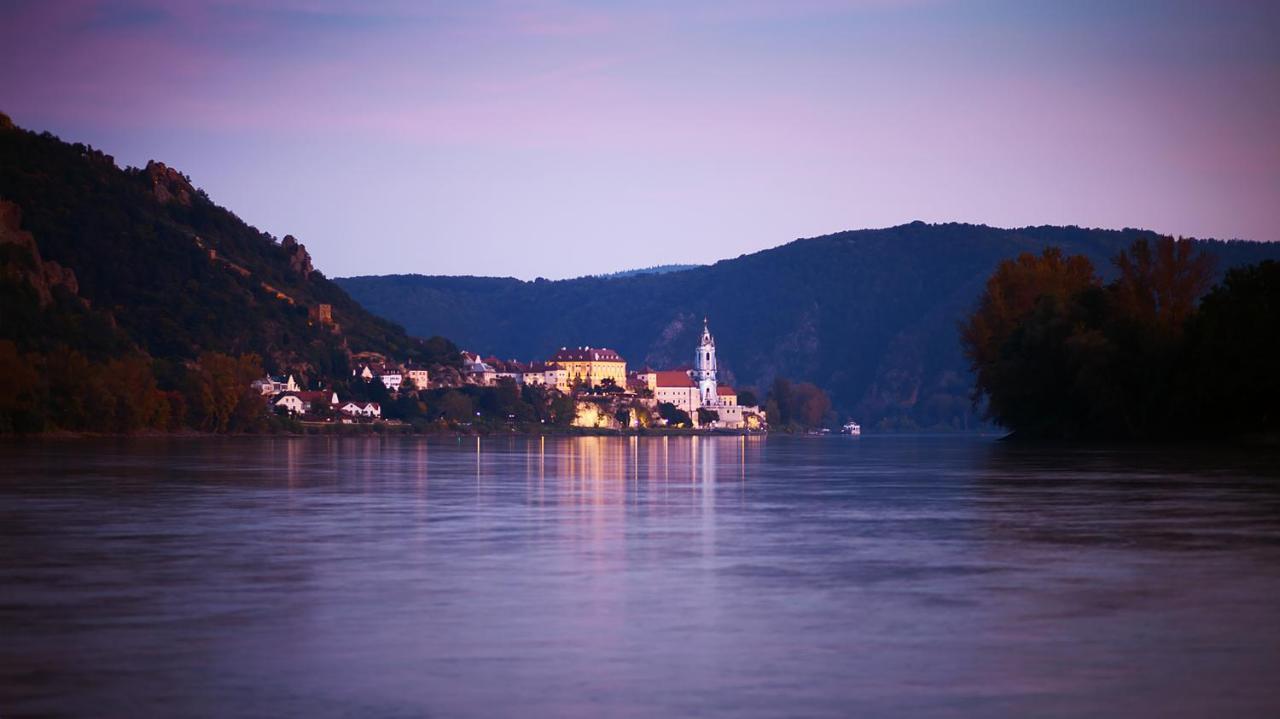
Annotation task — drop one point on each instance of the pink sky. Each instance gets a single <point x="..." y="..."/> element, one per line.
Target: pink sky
<point x="562" y="138"/>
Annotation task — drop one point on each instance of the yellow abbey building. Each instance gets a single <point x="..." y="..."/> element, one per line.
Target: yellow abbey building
<point x="591" y="365"/>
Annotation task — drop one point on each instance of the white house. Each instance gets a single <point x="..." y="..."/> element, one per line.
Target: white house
<point x="290" y="402"/>
<point x="362" y="409"/>
<point x="477" y="370"/>
<point x="676" y="387"/>
<point x="275" y="385"/>
<point x="319" y="399"/>
<point x="546" y="375"/>
<point x="390" y="377"/>
<point x="305" y="402"/>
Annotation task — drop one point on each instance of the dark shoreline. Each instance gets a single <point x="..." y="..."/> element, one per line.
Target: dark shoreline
<point x="1256" y="440"/>
<point x="380" y="430"/>
<point x="1252" y="442"/>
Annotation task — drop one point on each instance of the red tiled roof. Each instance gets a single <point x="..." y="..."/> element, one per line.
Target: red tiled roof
<point x="586" y="354"/>
<point x="722" y="390"/>
<point x="674" y="378"/>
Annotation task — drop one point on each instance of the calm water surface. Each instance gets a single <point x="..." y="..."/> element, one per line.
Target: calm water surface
<point x="635" y="577"/>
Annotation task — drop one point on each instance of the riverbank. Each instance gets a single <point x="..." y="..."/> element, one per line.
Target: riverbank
<point x="316" y="429"/>
<point x="1252" y="440"/>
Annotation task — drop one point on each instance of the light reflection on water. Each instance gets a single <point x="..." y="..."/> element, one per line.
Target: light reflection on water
<point x="716" y="576"/>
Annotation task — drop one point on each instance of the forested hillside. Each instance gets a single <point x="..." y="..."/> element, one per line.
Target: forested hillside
<point x="118" y="285"/>
<point x="177" y="273"/>
<point x="869" y="315"/>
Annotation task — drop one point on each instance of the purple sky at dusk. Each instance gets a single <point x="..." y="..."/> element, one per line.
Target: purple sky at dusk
<point x="558" y="139"/>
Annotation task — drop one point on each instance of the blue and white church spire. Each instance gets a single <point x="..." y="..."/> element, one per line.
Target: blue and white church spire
<point x="704" y="366"/>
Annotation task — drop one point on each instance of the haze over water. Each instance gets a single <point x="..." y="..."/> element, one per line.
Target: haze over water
<point x="709" y="576"/>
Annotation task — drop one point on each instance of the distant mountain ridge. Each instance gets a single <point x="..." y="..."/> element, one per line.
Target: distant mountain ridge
<point x="870" y="315"/>
<point x="654" y="270"/>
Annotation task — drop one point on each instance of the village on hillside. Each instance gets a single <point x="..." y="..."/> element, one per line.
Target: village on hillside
<point x="605" y="394"/>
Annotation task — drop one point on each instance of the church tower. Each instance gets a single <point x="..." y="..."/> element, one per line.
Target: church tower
<point x="704" y="367"/>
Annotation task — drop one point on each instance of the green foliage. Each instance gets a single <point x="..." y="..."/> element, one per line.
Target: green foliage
<point x="795" y="407"/>
<point x="1233" y="342"/>
<point x="366" y="391"/>
<point x="406" y="406"/>
<point x="505" y="405"/>
<point x="218" y="393"/>
<point x="1133" y="359"/>
<point x="674" y="416"/>
<point x="562" y="410"/>
<point x="21" y="409"/>
<point x="455" y="406"/>
<point x="642" y="414"/>
<point x="67" y="322"/>
<point x="65" y="390"/>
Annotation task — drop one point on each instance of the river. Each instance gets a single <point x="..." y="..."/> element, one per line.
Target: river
<point x="636" y="577"/>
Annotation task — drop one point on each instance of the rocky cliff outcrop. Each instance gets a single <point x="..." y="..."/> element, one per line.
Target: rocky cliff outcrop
<point x="169" y="185"/>
<point x="299" y="258"/>
<point x="20" y="258"/>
